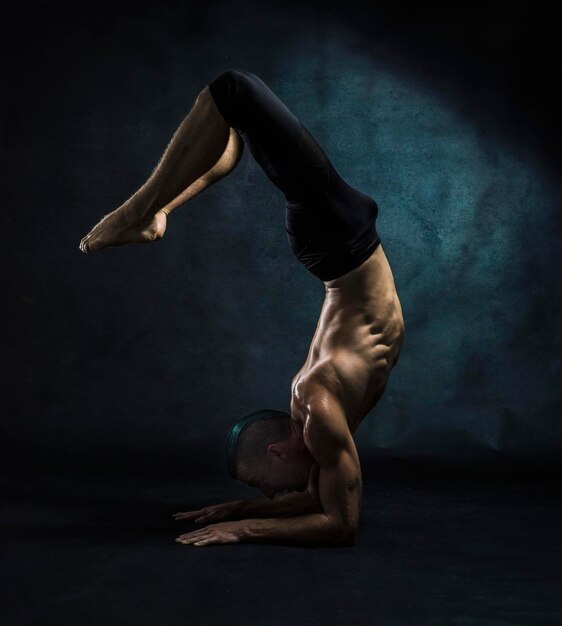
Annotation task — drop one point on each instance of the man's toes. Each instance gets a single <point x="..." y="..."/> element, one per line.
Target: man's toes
<point x="93" y="245"/>
<point x="89" y="244"/>
<point x="89" y="239"/>
<point x="84" y="241"/>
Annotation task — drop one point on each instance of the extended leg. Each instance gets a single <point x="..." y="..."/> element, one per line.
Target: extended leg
<point x="203" y="150"/>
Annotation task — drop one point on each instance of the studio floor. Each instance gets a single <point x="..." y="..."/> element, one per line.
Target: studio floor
<point x="430" y="550"/>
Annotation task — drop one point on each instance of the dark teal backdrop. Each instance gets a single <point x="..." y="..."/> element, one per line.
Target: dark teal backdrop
<point x="147" y="354"/>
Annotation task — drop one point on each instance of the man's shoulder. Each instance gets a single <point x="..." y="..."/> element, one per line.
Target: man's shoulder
<point x="325" y="429"/>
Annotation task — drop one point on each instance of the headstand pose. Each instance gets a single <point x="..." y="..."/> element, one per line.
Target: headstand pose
<point x="309" y="452"/>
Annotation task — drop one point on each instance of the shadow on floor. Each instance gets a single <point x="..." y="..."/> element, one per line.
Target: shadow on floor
<point x="432" y="549"/>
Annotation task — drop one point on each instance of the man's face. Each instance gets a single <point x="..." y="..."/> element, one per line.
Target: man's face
<point x="279" y="474"/>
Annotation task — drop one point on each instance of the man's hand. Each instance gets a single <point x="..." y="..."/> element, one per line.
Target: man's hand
<point x="294" y="503"/>
<point x="213" y="513"/>
<point x="226" y="532"/>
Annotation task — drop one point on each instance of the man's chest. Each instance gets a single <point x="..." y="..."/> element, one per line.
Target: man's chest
<point x="345" y="377"/>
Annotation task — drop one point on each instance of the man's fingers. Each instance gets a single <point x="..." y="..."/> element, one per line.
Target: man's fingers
<point x="197" y="535"/>
<point x="187" y="515"/>
<point x="212" y="516"/>
<point x="205" y="514"/>
<point x="194" y="542"/>
<point x="199" y="540"/>
<point x="188" y="540"/>
<point x="205" y="542"/>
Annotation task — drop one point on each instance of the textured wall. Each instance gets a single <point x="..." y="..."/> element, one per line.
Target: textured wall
<point x="150" y="352"/>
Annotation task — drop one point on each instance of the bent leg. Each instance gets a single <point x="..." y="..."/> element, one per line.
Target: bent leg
<point x="222" y="167"/>
<point x="267" y="126"/>
<point x="197" y="146"/>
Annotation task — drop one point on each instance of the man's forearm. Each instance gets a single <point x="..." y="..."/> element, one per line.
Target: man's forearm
<point x="315" y="528"/>
<point x="294" y="503"/>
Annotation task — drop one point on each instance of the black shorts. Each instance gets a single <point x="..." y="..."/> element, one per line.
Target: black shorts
<point x="330" y="224"/>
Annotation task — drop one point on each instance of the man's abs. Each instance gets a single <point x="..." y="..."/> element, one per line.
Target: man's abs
<point x="356" y="343"/>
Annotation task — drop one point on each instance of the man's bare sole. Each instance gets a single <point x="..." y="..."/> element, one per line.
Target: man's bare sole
<point x="121" y="227"/>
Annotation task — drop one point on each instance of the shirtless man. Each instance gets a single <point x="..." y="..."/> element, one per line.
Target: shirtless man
<point x="331" y="229"/>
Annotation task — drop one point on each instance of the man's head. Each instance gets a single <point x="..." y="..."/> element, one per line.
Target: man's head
<point x="266" y="450"/>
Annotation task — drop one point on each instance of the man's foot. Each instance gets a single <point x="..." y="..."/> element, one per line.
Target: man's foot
<point x="121" y="227"/>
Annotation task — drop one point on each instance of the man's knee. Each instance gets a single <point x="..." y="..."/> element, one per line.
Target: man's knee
<point x="233" y="91"/>
<point x="233" y="78"/>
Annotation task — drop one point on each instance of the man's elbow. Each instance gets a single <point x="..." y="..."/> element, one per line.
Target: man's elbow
<point x="348" y="537"/>
<point x="344" y="535"/>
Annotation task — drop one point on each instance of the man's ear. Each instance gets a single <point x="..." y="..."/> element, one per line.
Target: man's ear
<point x="277" y="450"/>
